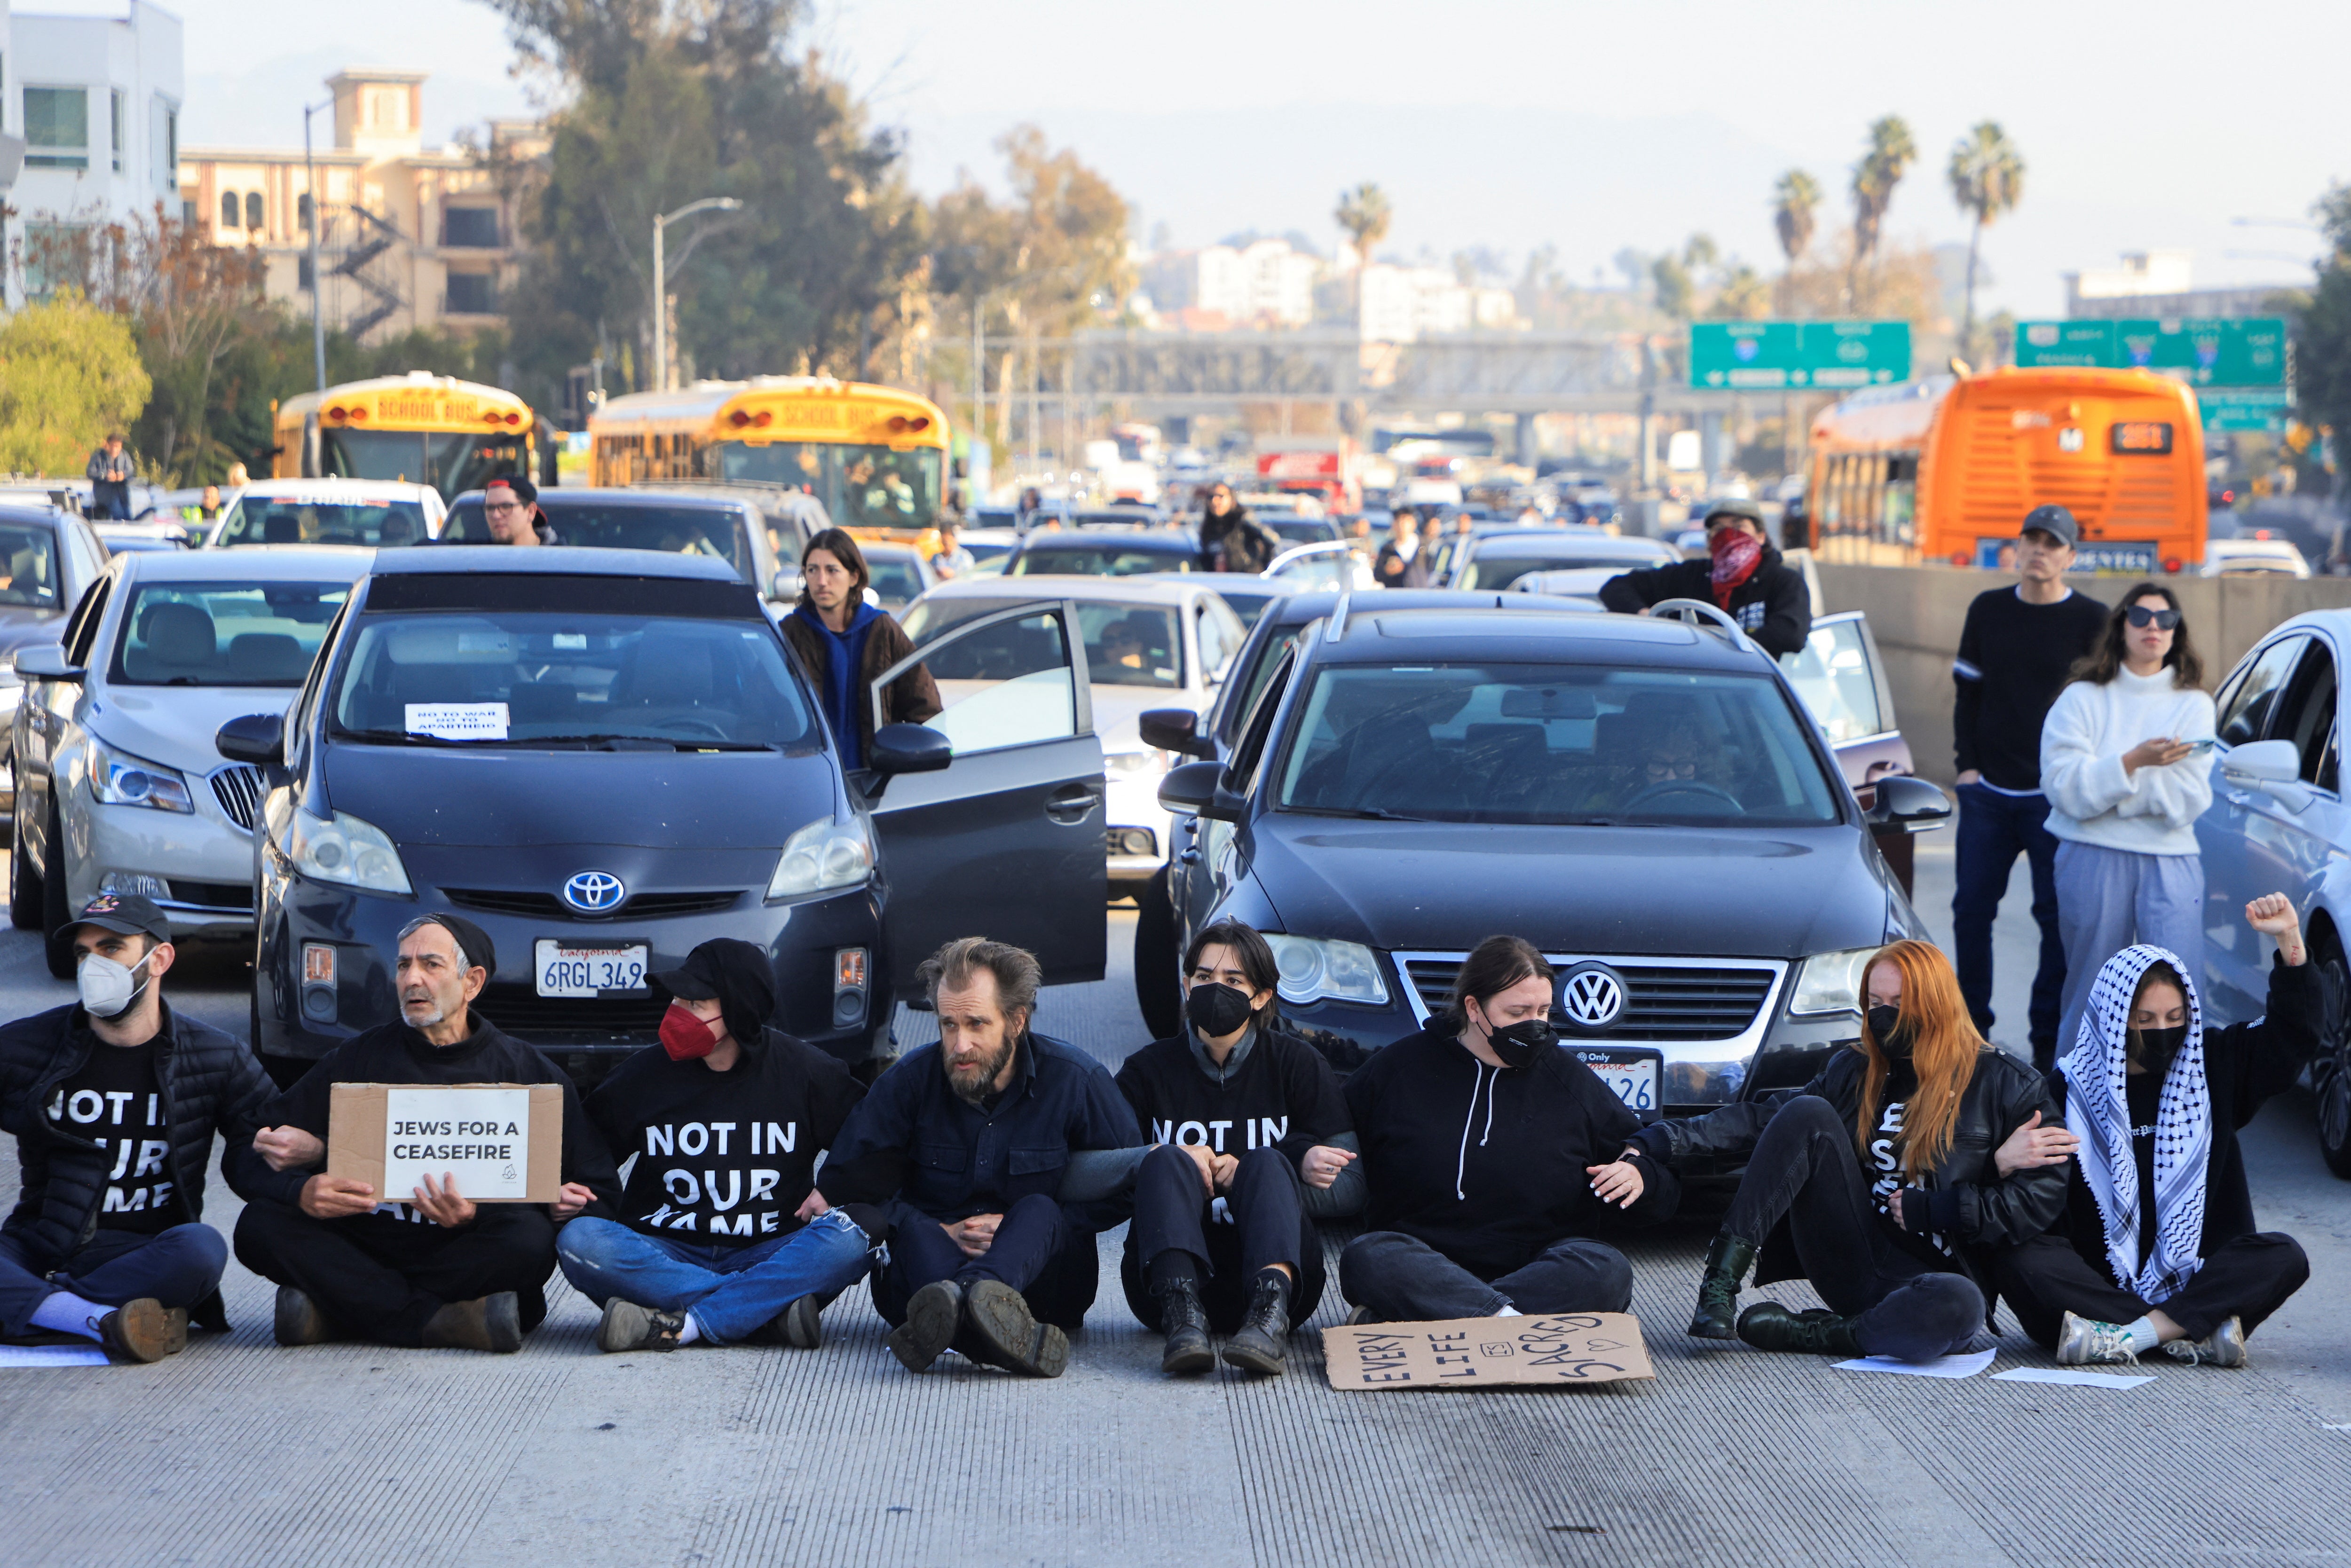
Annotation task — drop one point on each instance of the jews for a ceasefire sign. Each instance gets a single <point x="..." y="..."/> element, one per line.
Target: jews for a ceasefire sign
<point x="1562" y="1349"/>
<point x="502" y="1142"/>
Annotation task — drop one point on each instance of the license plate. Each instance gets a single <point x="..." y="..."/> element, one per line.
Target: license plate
<point x="576" y="969"/>
<point x="1631" y="1075"/>
<point x="2137" y="560"/>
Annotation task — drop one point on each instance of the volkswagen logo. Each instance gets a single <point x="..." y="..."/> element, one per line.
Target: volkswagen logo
<point x="1591" y="996"/>
<point x="594" y="893"/>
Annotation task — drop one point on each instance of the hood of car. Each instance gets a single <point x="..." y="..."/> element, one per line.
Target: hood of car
<point x="175" y="724"/>
<point x="1692" y="892"/>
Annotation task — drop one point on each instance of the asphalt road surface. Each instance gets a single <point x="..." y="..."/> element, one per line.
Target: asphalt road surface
<point x="239" y="1453"/>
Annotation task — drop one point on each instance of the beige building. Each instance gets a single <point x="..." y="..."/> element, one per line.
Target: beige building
<point x="411" y="237"/>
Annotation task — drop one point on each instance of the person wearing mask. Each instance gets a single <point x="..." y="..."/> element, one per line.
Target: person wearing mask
<point x="113" y="1101"/>
<point x="430" y="1268"/>
<point x="510" y="511"/>
<point x="951" y="561"/>
<point x="1245" y="1121"/>
<point x="845" y="643"/>
<point x="965" y="1142"/>
<point x="1889" y="1181"/>
<point x="2157" y="1247"/>
<point x="2016" y="649"/>
<point x="110" y="471"/>
<point x="1491" y="1155"/>
<point x="1742" y="575"/>
<point x="1230" y="540"/>
<point x="2126" y="760"/>
<point x="722" y="1236"/>
<point x="1399" y="563"/>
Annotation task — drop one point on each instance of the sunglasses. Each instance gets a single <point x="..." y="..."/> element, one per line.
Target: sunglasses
<point x="2141" y="616"/>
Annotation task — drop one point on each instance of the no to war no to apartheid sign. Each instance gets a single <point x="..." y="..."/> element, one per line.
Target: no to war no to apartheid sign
<point x="503" y="1142"/>
<point x="1562" y="1349"/>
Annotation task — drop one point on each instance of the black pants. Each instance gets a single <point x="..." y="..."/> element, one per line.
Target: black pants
<point x="2248" y="1279"/>
<point x="178" y="1265"/>
<point x="1401" y="1278"/>
<point x="1804" y="1171"/>
<point x="380" y="1279"/>
<point x="1037" y="1251"/>
<point x="1267" y="1224"/>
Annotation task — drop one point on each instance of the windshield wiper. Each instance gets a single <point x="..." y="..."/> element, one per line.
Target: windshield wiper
<point x="1366" y="813"/>
<point x="394" y="737"/>
<point x="640" y="742"/>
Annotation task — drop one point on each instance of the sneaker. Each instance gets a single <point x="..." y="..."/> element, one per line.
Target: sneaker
<point x="2224" y="1346"/>
<point x="491" y="1322"/>
<point x="137" y="1330"/>
<point x="1011" y="1335"/>
<point x="932" y="1316"/>
<point x="628" y="1326"/>
<point x="800" y="1325"/>
<point x="300" y="1320"/>
<point x="2085" y="1341"/>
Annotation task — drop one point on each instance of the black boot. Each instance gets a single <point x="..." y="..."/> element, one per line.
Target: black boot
<point x="1263" y="1343"/>
<point x="1727" y="1259"/>
<point x="1768" y="1325"/>
<point x="1185" y="1322"/>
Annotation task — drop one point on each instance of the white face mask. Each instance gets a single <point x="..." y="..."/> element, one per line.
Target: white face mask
<point x="107" y="988"/>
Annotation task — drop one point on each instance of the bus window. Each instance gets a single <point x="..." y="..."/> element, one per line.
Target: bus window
<point x="861" y="487"/>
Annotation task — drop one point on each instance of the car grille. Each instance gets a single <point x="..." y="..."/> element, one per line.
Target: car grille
<point x="1662" y="1002"/>
<point x="239" y="788"/>
<point x="521" y="1010"/>
<point x="548" y="906"/>
<point x="237" y="896"/>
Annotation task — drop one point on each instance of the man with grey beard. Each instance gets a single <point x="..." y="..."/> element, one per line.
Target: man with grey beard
<point x="966" y="1142"/>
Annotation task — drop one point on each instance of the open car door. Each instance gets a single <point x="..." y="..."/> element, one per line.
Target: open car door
<point x="1006" y="842"/>
<point x="1841" y="678"/>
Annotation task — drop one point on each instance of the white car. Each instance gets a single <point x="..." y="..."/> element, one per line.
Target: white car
<point x="119" y="786"/>
<point x="1150" y="643"/>
<point x="1331" y="564"/>
<point x="2255" y="557"/>
<point x="362" y="512"/>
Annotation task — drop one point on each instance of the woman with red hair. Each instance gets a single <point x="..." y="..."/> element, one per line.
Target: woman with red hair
<point x="1888" y="1181"/>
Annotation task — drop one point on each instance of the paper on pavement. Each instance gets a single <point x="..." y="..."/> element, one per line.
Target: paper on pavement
<point x="51" y="1355"/>
<point x="2068" y="1374"/>
<point x="1945" y="1366"/>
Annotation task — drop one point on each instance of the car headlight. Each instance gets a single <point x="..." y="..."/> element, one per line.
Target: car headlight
<point x="823" y="856"/>
<point x="1829" y="982"/>
<point x="1150" y="760"/>
<point x="117" y="780"/>
<point x="347" y="850"/>
<point x="1313" y="968"/>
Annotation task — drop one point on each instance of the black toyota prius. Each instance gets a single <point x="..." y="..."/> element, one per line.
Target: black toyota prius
<point x="604" y="758"/>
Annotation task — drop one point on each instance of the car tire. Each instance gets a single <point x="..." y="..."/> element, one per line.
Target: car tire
<point x="54" y="912"/>
<point x="1157" y="954"/>
<point x="2330" y="1070"/>
<point x="25" y="896"/>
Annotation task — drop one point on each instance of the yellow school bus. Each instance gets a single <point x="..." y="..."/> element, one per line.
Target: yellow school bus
<point x="420" y="427"/>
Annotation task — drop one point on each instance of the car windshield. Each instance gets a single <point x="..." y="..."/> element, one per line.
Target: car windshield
<point x="1500" y="570"/>
<point x="1553" y="744"/>
<point x="1301" y="530"/>
<point x="224" y="633"/>
<point x="29" y="555"/>
<point x="860" y="486"/>
<point x="307" y="520"/>
<point x="894" y="580"/>
<point x="716" y="533"/>
<point x="556" y="679"/>
<point x="1106" y="559"/>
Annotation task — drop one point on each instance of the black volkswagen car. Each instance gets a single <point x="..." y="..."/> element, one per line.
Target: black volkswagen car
<point x="604" y="758"/>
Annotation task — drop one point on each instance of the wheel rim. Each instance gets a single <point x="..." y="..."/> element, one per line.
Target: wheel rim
<point x="2330" y="1073"/>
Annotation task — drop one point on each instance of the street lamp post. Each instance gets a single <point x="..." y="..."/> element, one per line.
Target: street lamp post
<point x="317" y="218"/>
<point x="661" y="278"/>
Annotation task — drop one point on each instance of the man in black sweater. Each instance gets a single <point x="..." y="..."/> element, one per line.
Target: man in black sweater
<point x="433" y="1269"/>
<point x="1742" y="575"/>
<point x="2015" y="651"/>
<point x="722" y="1236"/>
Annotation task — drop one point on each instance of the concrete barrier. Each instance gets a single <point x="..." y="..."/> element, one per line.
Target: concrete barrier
<point x="1916" y="611"/>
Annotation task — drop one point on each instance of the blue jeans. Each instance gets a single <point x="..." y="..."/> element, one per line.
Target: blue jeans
<point x="1995" y="828"/>
<point x="734" y="1290"/>
<point x="179" y="1267"/>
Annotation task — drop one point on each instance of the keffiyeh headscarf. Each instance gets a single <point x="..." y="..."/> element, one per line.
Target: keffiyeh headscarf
<point x="2097" y="1110"/>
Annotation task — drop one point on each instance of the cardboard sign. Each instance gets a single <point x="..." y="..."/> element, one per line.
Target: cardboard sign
<point x="1566" y="1348"/>
<point x="503" y="1141"/>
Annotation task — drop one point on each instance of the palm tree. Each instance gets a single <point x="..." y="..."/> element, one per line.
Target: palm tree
<point x="1365" y="214"/>
<point x="1890" y="153"/>
<point x="1987" y="176"/>
<point x="1795" y="206"/>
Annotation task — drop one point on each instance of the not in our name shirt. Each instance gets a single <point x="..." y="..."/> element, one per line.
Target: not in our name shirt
<point x="116" y="1102"/>
<point x="1884" y="1153"/>
<point x="1282" y="1095"/>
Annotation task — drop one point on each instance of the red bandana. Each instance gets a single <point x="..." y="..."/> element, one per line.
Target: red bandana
<point x="1737" y="553"/>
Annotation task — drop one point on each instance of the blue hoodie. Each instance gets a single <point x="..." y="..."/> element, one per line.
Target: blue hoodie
<point x="845" y="657"/>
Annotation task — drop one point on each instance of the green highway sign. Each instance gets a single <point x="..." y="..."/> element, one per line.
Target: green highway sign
<point x="2204" y="351"/>
<point x="2243" y="410"/>
<point x="1783" y="356"/>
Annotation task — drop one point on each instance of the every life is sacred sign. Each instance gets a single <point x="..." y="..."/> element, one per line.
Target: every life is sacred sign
<point x="504" y="1142"/>
<point x="1562" y="1349"/>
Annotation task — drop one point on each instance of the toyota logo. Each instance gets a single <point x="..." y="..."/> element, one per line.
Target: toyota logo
<point x="1591" y="996"/>
<point x="594" y="893"/>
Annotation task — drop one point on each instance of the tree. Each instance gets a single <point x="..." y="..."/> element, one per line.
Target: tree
<point x="1742" y="296"/>
<point x="2322" y="360"/>
<point x="1987" y="176"/>
<point x="1795" y="214"/>
<point x="1888" y="158"/>
<point x="1676" y="293"/>
<point x="1365" y="214"/>
<point x="69" y="373"/>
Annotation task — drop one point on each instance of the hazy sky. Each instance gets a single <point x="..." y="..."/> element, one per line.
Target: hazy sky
<point x="1588" y="125"/>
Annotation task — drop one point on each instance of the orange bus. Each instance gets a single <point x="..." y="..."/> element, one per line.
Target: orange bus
<point x="1944" y="469"/>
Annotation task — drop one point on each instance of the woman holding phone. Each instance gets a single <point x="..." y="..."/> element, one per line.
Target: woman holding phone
<point x="2126" y="760"/>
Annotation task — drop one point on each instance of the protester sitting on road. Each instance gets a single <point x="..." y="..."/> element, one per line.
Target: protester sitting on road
<point x="846" y="643"/>
<point x="722" y="1236"/>
<point x="1402" y="564"/>
<point x="434" y="1269"/>
<point x="510" y="510"/>
<point x="2125" y="761"/>
<point x="2157" y="1247"/>
<point x="1742" y="575"/>
<point x="113" y="1101"/>
<point x="1245" y="1121"/>
<point x="967" y="1141"/>
<point x="1888" y="1181"/>
<point x="1485" y="1190"/>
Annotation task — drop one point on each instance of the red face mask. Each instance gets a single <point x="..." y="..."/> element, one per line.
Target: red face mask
<point x="685" y="1036"/>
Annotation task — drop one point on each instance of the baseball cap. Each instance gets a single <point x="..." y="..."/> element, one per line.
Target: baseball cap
<point x="735" y="974"/>
<point x="2054" y="521"/>
<point x="125" y="914"/>
<point x="1735" y="506"/>
<point x="523" y="490"/>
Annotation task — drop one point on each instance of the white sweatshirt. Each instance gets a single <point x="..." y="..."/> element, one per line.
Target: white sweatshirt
<point x="2092" y="799"/>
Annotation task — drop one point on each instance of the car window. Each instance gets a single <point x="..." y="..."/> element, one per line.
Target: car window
<point x="1096" y="560"/>
<point x="1132" y="645"/>
<point x="1241" y="771"/>
<point x="893" y="581"/>
<point x="715" y="533"/>
<point x="29" y="567"/>
<point x="301" y="520"/>
<point x="2305" y="715"/>
<point x="224" y="633"/>
<point x="1004" y="682"/>
<point x="81" y="626"/>
<point x="2246" y="711"/>
<point x="1833" y="677"/>
<point x="1502" y="570"/>
<point x="1268" y="659"/>
<point x="935" y="617"/>
<point x="1216" y="649"/>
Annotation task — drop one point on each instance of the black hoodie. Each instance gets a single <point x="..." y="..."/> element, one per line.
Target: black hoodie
<point x="1488" y="1164"/>
<point x="1773" y="605"/>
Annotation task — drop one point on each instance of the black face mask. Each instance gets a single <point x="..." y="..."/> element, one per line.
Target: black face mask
<point x="1215" y="1010"/>
<point x="2157" y="1047"/>
<point x="1893" y="1035"/>
<point x="1521" y="1042"/>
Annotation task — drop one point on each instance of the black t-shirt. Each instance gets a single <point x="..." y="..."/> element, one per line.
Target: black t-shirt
<point x="116" y="1101"/>
<point x="1883" y="1164"/>
<point x="1282" y="1095"/>
<point x="2143" y="1092"/>
<point x="2013" y="660"/>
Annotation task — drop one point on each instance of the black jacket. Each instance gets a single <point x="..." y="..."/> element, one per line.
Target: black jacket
<point x="210" y="1082"/>
<point x="1969" y="1203"/>
<point x="1772" y="606"/>
<point x="1237" y="542"/>
<point x="1282" y="1094"/>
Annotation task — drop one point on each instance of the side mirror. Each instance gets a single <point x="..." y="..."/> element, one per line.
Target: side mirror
<point x="257" y="737"/>
<point x="1176" y="729"/>
<point x="46" y="661"/>
<point x="1197" y="789"/>
<point x="1905" y="804"/>
<point x="787" y="584"/>
<point x="2271" y="766"/>
<point x="908" y="748"/>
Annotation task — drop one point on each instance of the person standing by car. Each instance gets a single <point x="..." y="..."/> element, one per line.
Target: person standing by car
<point x="111" y="472"/>
<point x="952" y="560"/>
<point x="1742" y="575"/>
<point x="1400" y="563"/>
<point x="1486" y="1186"/>
<point x="1888" y="1182"/>
<point x="2126" y="759"/>
<point x="2016" y="649"/>
<point x="1245" y="1121"/>
<point x="113" y="1101"/>
<point x="510" y="509"/>
<point x="2157" y="1247"/>
<point x="1231" y="540"/>
<point x="844" y="643"/>
<point x="207" y="508"/>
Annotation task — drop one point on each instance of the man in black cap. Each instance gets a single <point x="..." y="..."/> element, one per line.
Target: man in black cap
<point x="1742" y="575"/>
<point x="113" y="1101"/>
<point x="722" y="1236"/>
<point x="510" y="508"/>
<point x="2016" y="649"/>
<point x="430" y="1268"/>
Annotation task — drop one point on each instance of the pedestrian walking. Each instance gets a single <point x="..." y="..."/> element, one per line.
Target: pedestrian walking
<point x="1400" y="563"/>
<point x="111" y="472"/>
<point x="846" y="643"/>
<point x="2126" y="760"/>
<point x="1742" y="575"/>
<point x="2017" y="648"/>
